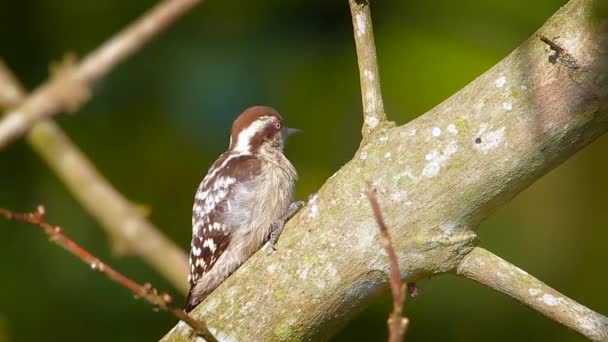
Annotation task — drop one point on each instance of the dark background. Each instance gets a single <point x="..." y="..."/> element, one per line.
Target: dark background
<point x="157" y="121"/>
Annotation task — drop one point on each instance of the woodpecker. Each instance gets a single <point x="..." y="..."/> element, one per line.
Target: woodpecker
<point x="243" y="201"/>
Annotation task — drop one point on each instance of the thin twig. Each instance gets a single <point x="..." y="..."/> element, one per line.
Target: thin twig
<point x="369" y="76"/>
<point x="397" y="324"/>
<point x="490" y="270"/>
<point x="129" y="231"/>
<point x="70" y="87"/>
<point x="11" y="92"/>
<point x="162" y="301"/>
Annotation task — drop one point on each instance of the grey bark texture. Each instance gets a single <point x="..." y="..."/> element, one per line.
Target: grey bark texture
<point x="437" y="178"/>
<point x="488" y="269"/>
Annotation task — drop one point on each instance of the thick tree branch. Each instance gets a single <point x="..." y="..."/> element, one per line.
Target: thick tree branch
<point x="443" y="173"/>
<point x="162" y="301"/>
<point x="490" y="270"/>
<point x="369" y="76"/>
<point x="71" y="86"/>
<point x="128" y="228"/>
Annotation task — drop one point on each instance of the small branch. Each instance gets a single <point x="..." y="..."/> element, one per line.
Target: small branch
<point x="397" y="324"/>
<point x="11" y="91"/>
<point x="371" y="94"/>
<point x="127" y="227"/>
<point x="162" y="301"/>
<point x="71" y="86"/>
<point x="490" y="270"/>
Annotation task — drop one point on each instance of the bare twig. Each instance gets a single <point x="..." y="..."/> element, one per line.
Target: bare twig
<point x="71" y="86"/>
<point x="371" y="94"/>
<point x="397" y="324"/>
<point x="490" y="270"/>
<point x="11" y="92"/>
<point x="161" y="301"/>
<point x="129" y="230"/>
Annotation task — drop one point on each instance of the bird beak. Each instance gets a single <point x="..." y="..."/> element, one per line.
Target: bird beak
<point x="291" y="131"/>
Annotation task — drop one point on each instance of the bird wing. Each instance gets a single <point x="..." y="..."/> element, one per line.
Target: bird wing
<point x="211" y="231"/>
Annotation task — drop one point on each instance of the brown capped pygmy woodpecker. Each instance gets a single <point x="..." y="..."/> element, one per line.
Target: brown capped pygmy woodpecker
<point x="243" y="201"/>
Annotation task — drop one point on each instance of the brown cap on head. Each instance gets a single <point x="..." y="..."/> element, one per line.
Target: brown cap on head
<point x="251" y="114"/>
<point x="255" y="126"/>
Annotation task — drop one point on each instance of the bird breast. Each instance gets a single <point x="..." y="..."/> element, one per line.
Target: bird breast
<point x="259" y="202"/>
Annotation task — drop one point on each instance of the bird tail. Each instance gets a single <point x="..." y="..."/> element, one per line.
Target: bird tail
<point x="193" y="301"/>
<point x="190" y="304"/>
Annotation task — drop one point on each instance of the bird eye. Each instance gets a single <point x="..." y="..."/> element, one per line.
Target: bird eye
<point x="277" y="125"/>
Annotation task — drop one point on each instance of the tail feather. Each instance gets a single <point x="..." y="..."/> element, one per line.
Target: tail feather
<point x="190" y="304"/>
<point x="192" y="301"/>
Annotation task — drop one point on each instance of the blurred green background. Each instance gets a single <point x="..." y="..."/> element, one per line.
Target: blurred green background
<point x="156" y="123"/>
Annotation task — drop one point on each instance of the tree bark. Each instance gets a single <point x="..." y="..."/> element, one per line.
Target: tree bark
<point x="488" y="269"/>
<point x="437" y="178"/>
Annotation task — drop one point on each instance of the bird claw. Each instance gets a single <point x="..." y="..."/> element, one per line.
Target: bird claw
<point x="269" y="248"/>
<point x="277" y="227"/>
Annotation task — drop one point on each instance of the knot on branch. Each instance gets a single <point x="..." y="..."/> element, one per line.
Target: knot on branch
<point x="559" y="54"/>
